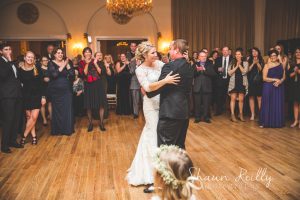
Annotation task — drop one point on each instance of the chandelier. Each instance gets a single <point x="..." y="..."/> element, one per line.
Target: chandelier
<point x="123" y="10"/>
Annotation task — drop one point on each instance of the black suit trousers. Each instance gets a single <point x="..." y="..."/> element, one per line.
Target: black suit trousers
<point x="221" y="95"/>
<point x="12" y="111"/>
<point x="172" y="132"/>
<point x="202" y="104"/>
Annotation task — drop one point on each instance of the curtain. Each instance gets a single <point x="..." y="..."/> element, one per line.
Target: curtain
<point x="282" y="21"/>
<point x="214" y="23"/>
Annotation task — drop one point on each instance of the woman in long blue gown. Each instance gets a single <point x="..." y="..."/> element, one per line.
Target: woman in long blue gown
<point x="272" y="108"/>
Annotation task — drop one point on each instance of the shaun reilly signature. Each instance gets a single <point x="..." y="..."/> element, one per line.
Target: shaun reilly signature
<point x="243" y="177"/>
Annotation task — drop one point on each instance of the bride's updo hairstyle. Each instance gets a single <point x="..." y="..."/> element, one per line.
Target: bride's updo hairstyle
<point x="142" y="50"/>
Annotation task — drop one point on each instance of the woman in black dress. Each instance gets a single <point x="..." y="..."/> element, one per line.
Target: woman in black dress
<point x="61" y="75"/>
<point x="33" y="94"/>
<point x="123" y="83"/>
<point x="94" y="92"/>
<point x="44" y="68"/>
<point x="238" y="84"/>
<point x="111" y="80"/>
<point x="256" y="64"/>
<point x="294" y="74"/>
<point x="105" y="73"/>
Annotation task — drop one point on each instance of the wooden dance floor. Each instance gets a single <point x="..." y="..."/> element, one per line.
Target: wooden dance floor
<point x="233" y="160"/>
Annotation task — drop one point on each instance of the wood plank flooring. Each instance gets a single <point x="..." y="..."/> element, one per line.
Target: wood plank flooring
<point x="93" y="165"/>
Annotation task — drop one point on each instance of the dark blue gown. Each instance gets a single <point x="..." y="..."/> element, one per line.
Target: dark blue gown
<point x="60" y="90"/>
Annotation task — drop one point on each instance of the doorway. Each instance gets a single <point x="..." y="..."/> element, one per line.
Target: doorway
<point x="115" y="47"/>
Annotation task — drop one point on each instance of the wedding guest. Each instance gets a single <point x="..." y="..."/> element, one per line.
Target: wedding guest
<point x="282" y="58"/>
<point x="294" y="73"/>
<point x="111" y="80"/>
<point x="213" y="56"/>
<point x="105" y="72"/>
<point x="256" y="64"/>
<point x="202" y="88"/>
<point x="194" y="57"/>
<point x="238" y="84"/>
<point x="173" y="176"/>
<point x="10" y="99"/>
<point x="123" y="83"/>
<point x="75" y="62"/>
<point x="135" y="87"/>
<point x="94" y="91"/>
<point x="272" y="104"/>
<point x="61" y="76"/>
<point x="33" y="94"/>
<point x="44" y="69"/>
<point x="222" y="80"/>
<point x="165" y="59"/>
<point x="50" y="48"/>
<point x="78" y="93"/>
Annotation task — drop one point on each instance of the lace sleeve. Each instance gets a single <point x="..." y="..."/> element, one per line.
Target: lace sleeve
<point x="141" y="74"/>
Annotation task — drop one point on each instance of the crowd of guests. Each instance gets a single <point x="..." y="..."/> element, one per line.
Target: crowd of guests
<point x="61" y="89"/>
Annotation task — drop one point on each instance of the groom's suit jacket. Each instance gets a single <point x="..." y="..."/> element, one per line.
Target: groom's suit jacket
<point x="174" y="99"/>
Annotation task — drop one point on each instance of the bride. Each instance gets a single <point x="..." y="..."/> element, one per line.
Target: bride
<point x="141" y="170"/>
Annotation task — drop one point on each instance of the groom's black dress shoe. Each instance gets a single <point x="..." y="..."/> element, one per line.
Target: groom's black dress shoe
<point x="149" y="189"/>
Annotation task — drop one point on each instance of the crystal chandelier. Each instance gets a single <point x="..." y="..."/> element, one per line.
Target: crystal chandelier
<point x="123" y="10"/>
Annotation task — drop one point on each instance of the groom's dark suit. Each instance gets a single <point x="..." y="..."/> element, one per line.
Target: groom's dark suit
<point x="174" y="104"/>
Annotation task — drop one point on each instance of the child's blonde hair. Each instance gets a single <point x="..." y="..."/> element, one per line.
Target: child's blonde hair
<point x="173" y="171"/>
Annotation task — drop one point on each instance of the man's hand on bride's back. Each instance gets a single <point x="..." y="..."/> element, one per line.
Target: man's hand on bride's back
<point x="172" y="79"/>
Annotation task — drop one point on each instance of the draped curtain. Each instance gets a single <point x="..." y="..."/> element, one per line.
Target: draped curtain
<point x="214" y="23"/>
<point x="282" y="21"/>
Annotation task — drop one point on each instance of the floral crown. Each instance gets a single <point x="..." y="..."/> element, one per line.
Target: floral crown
<point x="164" y="171"/>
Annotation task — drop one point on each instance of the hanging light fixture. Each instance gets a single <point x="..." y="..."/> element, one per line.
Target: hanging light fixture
<point x="123" y="10"/>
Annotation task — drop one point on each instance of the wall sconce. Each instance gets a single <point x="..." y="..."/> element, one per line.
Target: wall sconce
<point x="158" y="35"/>
<point x="69" y="36"/>
<point x="87" y="37"/>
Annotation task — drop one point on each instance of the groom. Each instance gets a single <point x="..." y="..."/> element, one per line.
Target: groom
<point x="174" y="99"/>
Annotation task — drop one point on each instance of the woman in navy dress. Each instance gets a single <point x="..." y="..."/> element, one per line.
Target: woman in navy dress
<point x="33" y="94"/>
<point x="61" y="76"/>
<point x="272" y="108"/>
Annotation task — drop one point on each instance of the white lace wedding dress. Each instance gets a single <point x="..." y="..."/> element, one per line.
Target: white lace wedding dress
<point x="141" y="170"/>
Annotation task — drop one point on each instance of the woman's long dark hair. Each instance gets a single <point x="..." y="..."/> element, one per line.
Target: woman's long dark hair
<point x="260" y="58"/>
<point x="234" y="60"/>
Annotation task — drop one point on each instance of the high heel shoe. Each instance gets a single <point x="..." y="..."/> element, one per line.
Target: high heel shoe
<point x="233" y="119"/>
<point x="34" y="141"/>
<point x="242" y="118"/>
<point x="294" y="124"/>
<point x="90" y="127"/>
<point x="22" y="142"/>
<point x="102" y="128"/>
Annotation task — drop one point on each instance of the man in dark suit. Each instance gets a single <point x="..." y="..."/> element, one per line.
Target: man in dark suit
<point x="222" y="80"/>
<point x="50" y="48"/>
<point x="202" y="89"/>
<point x="10" y="99"/>
<point x="174" y="99"/>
